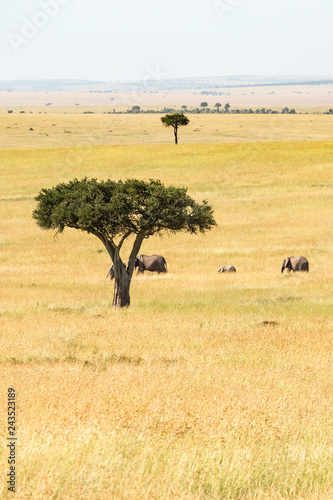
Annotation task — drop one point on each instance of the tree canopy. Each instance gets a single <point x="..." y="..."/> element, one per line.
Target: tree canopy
<point x="176" y="120"/>
<point x="114" y="210"/>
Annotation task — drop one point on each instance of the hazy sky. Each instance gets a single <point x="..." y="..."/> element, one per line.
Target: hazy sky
<point x="132" y="39"/>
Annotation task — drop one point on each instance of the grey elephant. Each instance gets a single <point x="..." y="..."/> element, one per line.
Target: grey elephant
<point x="227" y="269"/>
<point x="153" y="263"/>
<point x="111" y="272"/>
<point x="295" y="264"/>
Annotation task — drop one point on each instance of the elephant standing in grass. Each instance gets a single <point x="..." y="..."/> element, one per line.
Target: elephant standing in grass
<point x="295" y="264"/>
<point x="111" y="272"/>
<point x="153" y="263"/>
<point x="227" y="269"/>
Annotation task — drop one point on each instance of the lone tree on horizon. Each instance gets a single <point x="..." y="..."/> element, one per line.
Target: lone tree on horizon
<point x="176" y="120"/>
<point x="116" y="210"/>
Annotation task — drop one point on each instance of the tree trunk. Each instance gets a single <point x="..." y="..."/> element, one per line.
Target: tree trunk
<point x="122" y="281"/>
<point x="121" y="296"/>
<point x="176" y="135"/>
<point x="122" y="273"/>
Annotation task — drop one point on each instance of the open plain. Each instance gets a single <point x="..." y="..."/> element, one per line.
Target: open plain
<point x="153" y="94"/>
<point x="57" y="128"/>
<point x="209" y="385"/>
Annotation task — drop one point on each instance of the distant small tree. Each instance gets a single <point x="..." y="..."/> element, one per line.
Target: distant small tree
<point x="217" y="106"/>
<point x="292" y="111"/>
<point x="204" y="104"/>
<point x="136" y="109"/>
<point x="226" y="107"/>
<point x="115" y="210"/>
<point x="176" y="120"/>
<point x="285" y="110"/>
<point x="184" y="107"/>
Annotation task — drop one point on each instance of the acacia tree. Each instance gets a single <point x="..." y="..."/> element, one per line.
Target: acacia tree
<point x="115" y="210"/>
<point x="176" y="120"/>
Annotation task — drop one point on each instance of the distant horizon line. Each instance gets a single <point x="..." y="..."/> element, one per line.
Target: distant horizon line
<point x="157" y="83"/>
<point x="241" y="76"/>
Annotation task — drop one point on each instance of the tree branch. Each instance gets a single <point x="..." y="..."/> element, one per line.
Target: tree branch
<point x="109" y="245"/>
<point x="126" y="235"/>
<point x="135" y="250"/>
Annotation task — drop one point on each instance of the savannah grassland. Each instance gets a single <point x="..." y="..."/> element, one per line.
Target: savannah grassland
<point x="188" y="394"/>
<point x="56" y="129"/>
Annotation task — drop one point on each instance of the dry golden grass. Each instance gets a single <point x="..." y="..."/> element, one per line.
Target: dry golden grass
<point x="59" y="129"/>
<point x="187" y="394"/>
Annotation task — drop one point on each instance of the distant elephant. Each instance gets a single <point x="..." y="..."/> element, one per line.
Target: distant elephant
<point x="227" y="269"/>
<point x="153" y="263"/>
<point x="295" y="264"/>
<point x="111" y="272"/>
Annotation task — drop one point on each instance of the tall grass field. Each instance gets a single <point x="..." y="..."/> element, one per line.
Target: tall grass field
<point x="210" y="386"/>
